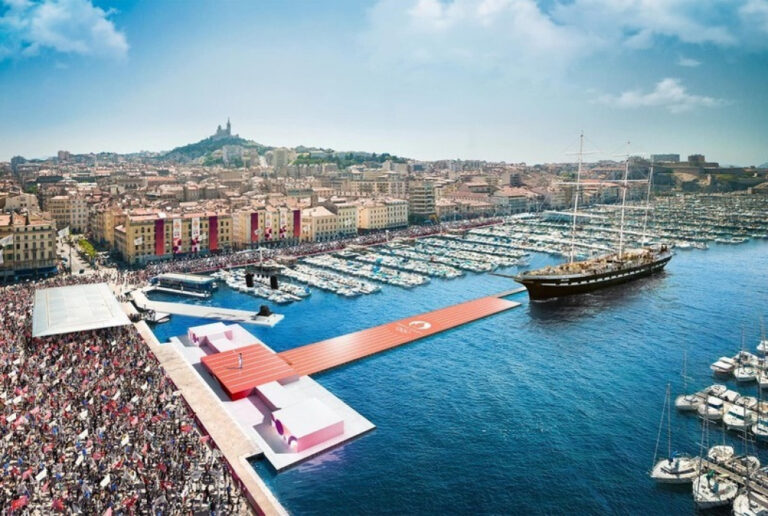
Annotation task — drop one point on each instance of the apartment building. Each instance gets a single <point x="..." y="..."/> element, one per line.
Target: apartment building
<point x="148" y="235"/>
<point x="68" y="211"/>
<point x="319" y="224"/>
<point x="31" y="250"/>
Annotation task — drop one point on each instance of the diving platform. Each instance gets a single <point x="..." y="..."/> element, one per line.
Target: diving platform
<point x="205" y="312"/>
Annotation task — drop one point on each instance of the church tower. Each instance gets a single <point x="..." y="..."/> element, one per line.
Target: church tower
<point x="229" y="128"/>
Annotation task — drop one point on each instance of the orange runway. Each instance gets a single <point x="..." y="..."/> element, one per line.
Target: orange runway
<point x="327" y="354"/>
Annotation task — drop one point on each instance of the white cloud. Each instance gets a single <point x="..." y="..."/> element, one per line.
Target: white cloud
<point x="755" y="12"/>
<point x="688" y="62"/>
<point x="498" y="34"/>
<point x="65" y="26"/>
<point x="668" y="93"/>
<point x="520" y="33"/>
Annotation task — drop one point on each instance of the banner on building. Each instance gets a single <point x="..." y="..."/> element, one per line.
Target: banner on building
<point x="213" y="233"/>
<point x="195" y="233"/>
<point x="283" y="222"/>
<point x="268" y="226"/>
<point x="176" y="236"/>
<point x="254" y="227"/>
<point x="159" y="237"/>
<point x="297" y="223"/>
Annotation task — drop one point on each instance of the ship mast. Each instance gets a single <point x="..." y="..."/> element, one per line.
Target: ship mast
<point x="623" y="204"/>
<point x="647" y="203"/>
<point x="576" y="196"/>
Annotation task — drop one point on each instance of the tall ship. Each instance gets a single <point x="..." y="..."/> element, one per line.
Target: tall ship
<point x="580" y="277"/>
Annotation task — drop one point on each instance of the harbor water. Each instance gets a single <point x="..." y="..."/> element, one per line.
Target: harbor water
<point x="547" y="408"/>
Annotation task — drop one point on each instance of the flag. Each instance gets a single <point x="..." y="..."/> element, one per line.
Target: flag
<point x="20" y="502"/>
<point x="64" y="232"/>
<point x="138" y="240"/>
<point x="57" y="505"/>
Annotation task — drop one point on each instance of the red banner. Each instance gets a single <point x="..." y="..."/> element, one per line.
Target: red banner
<point x="159" y="237"/>
<point x="297" y="223"/>
<point x="254" y="227"/>
<point x="213" y="233"/>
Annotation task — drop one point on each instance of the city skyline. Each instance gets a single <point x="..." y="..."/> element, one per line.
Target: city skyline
<point x="491" y="80"/>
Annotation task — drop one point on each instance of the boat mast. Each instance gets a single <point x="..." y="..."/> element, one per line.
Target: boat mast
<point x="623" y="203"/>
<point x="647" y="202"/>
<point x="576" y="196"/>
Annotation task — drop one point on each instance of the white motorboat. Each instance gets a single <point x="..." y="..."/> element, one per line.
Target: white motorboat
<point x="712" y="409"/>
<point x="716" y="389"/>
<point x="745" y="373"/>
<point x="730" y="396"/>
<point x="688" y="402"/>
<point x="760" y="429"/>
<point x="720" y="453"/>
<point x="750" y="504"/>
<point x="712" y="490"/>
<point x="676" y="470"/>
<point x="762" y="347"/>
<point x="748" y="402"/>
<point x="739" y="418"/>
<point x="724" y="366"/>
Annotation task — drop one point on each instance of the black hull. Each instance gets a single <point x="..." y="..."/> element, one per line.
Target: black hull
<point x="540" y="289"/>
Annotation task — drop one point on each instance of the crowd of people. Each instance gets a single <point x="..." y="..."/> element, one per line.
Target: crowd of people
<point x="90" y="423"/>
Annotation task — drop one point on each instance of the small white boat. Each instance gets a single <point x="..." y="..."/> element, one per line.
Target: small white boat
<point x="677" y="470"/>
<point x="711" y="490"/>
<point x="730" y="396"/>
<point x="750" y="504"/>
<point x="720" y="453"/>
<point x="739" y="418"/>
<point x="712" y="409"/>
<point x="760" y="429"/>
<point x="724" y="366"/>
<point x="688" y="402"/>
<point x="748" y="402"/>
<point x="762" y="379"/>
<point x="762" y="347"/>
<point x="745" y="373"/>
<point x="716" y="389"/>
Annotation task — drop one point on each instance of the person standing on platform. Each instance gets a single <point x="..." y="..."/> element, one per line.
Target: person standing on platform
<point x="240" y="360"/>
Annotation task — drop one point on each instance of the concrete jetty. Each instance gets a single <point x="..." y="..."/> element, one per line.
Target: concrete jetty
<point x="205" y="312"/>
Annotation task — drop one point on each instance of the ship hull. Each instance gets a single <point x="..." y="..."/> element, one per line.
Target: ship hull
<point x="540" y="289"/>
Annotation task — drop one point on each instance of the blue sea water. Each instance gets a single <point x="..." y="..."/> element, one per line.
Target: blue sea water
<point x="547" y="408"/>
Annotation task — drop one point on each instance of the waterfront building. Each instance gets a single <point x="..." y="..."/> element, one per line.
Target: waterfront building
<point x="318" y="224"/>
<point x="148" y="235"/>
<point x="31" y="249"/>
<point x="421" y="198"/>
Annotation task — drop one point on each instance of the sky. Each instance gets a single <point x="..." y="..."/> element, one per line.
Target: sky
<point x="498" y="80"/>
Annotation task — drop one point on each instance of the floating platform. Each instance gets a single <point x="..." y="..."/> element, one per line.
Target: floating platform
<point x="337" y="351"/>
<point x="205" y="312"/>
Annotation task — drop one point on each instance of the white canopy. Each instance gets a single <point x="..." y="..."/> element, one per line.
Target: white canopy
<point x="76" y="308"/>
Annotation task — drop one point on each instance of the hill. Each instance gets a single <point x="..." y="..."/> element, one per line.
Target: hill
<point x="204" y="148"/>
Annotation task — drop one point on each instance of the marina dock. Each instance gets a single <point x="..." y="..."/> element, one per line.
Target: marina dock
<point x="205" y="312"/>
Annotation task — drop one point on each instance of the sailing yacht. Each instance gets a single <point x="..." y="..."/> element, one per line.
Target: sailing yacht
<point x="580" y="277"/>
<point x="688" y="402"/>
<point x="712" y="490"/>
<point x="676" y="468"/>
<point x="749" y="503"/>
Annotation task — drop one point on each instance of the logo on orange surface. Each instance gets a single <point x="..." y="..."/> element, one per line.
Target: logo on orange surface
<point x="419" y="325"/>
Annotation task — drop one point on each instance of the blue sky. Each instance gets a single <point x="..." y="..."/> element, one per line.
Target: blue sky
<point x="512" y="80"/>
